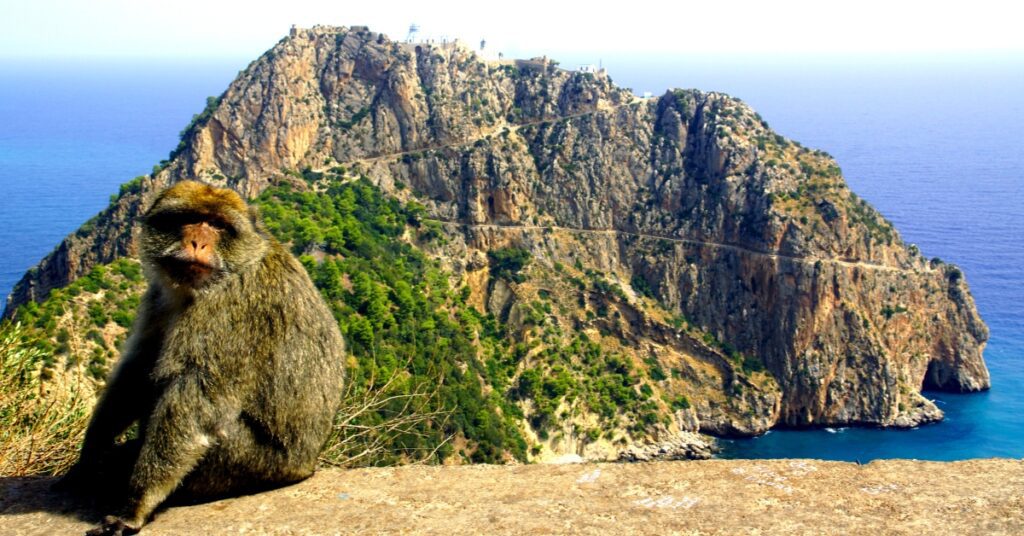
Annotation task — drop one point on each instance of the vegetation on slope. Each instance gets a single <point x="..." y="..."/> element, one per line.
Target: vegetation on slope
<point x="400" y="316"/>
<point x="416" y="348"/>
<point x="41" y="421"/>
<point x="432" y="378"/>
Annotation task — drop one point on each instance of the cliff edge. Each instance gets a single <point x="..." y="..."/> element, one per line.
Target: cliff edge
<point x="708" y="497"/>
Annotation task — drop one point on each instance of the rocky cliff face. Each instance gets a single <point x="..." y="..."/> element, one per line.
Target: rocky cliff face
<point x="736" y="258"/>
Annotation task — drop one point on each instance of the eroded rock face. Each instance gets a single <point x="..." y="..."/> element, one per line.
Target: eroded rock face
<point x="686" y="446"/>
<point x="752" y="238"/>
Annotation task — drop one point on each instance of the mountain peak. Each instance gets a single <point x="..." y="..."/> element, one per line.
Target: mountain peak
<point x="679" y="231"/>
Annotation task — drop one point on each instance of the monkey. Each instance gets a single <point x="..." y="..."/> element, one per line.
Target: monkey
<point x="233" y="369"/>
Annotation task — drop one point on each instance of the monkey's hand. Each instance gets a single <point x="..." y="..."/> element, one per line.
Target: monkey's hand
<point x="113" y="526"/>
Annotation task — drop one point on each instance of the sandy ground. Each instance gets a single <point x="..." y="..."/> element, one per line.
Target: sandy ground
<point x="705" y="497"/>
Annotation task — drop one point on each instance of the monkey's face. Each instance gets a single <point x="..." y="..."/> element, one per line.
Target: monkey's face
<point x="195" y="234"/>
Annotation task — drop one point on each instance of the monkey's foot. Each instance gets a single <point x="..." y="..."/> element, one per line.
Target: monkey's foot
<point x="113" y="526"/>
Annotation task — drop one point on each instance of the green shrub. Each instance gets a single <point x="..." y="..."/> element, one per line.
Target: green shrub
<point x="508" y="263"/>
<point x="680" y="402"/>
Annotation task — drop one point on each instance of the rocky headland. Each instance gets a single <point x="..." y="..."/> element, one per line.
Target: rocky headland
<point x="731" y="267"/>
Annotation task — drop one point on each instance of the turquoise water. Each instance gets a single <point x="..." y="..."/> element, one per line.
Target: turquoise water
<point x="937" y="146"/>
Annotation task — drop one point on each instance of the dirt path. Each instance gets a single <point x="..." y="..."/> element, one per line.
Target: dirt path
<point x="514" y="128"/>
<point x="717" y="245"/>
<point x="708" y="497"/>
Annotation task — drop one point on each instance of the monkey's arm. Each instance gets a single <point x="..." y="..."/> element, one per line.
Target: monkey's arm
<point x="130" y="391"/>
<point x="126" y="399"/>
<point x="186" y="421"/>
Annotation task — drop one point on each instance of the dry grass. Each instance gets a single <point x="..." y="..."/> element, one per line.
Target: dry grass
<point x="372" y="421"/>
<point x="41" y="423"/>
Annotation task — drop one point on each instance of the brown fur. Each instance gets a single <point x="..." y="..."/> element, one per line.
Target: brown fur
<point x="233" y="376"/>
<point x="203" y="197"/>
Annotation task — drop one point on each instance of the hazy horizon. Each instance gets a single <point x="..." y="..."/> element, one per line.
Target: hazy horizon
<point x="193" y="29"/>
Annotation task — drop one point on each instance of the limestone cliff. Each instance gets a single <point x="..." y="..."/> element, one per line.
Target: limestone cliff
<point x="680" y="230"/>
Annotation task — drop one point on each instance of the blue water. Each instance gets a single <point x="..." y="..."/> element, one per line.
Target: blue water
<point x="71" y="132"/>
<point x="936" y="145"/>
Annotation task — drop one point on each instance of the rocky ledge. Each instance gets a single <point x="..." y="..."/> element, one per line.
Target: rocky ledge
<point x="706" y="497"/>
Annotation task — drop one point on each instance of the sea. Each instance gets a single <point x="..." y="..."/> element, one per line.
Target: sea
<point x="936" y="143"/>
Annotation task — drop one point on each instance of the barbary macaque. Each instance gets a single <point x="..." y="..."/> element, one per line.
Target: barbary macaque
<point x="233" y="369"/>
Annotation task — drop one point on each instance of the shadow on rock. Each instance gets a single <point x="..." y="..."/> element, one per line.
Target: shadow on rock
<point x="25" y="495"/>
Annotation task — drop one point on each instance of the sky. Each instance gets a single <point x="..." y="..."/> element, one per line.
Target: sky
<point x="520" y="28"/>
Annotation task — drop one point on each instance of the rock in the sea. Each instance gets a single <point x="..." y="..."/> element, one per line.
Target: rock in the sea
<point x="686" y="446"/>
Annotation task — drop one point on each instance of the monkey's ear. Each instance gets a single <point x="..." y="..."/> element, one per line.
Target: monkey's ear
<point x="156" y="201"/>
<point x="256" y="220"/>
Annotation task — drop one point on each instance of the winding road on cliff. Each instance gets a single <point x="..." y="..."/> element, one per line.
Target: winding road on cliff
<point x="605" y="108"/>
<point x="689" y="241"/>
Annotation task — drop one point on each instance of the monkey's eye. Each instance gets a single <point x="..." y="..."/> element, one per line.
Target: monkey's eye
<point x="221" y="224"/>
<point x="218" y="224"/>
<point x="170" y="221"/>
